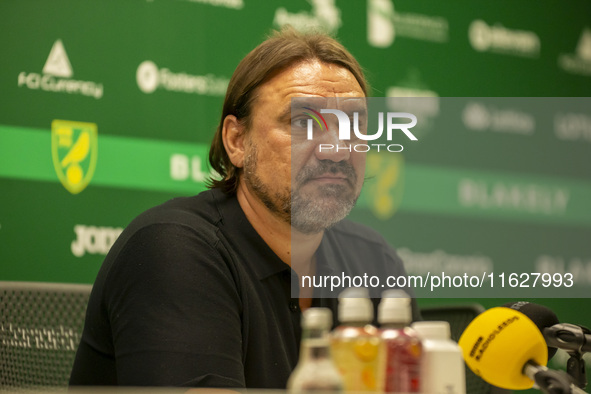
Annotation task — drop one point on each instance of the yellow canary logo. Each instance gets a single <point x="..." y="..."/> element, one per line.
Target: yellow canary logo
<point x="387" y="188"/>
<point x="74" y="149"/>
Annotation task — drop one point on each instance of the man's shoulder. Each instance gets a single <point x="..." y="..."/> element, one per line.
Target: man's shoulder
<point x="197" y="210"/>
<point x="181" y="217"/>
<point x="179" y="232"/>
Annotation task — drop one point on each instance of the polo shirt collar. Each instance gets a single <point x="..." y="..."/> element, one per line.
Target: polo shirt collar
<point x="233" y="222"/>
<point x="263" y="261"/>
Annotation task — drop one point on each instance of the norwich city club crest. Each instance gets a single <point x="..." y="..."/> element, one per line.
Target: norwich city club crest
<point x="387" y="188"/>
<point x="74" y="148"/>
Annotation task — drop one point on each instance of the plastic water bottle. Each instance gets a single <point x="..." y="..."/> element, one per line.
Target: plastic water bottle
<point x="315" y="371"/>
<point x="442" y="368"/>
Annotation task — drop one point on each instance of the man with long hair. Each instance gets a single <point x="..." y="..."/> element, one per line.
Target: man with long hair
<point x="197" y="292"/>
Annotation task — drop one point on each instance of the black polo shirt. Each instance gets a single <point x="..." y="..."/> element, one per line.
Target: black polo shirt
<point x="191" y="295"/>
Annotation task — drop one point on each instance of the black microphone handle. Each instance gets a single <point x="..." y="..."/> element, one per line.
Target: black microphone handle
<point x="550" y="381"/>
<point x="568" y="337"/>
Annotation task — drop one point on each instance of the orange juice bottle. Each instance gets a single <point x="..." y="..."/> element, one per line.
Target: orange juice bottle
<point x="356" y="345"/>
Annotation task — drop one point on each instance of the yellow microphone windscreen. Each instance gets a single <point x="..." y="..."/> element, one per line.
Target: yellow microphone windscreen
<point x="498" y="343"/>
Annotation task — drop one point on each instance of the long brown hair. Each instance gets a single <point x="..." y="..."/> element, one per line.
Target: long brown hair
<point x="282" y="49"/>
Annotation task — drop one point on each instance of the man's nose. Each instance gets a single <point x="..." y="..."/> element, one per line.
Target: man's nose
<point x="330" y="147"/>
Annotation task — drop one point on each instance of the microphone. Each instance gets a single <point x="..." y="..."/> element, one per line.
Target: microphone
<point x="506" y="349"/>
<point x="564" y="336"/>
<point x="540" y="315"/>
<point x="576" y="340"/>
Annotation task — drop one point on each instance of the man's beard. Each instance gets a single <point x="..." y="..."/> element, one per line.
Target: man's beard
<point x="307" y="213"/>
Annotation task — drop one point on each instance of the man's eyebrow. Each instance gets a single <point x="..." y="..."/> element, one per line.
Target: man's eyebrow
<point x="355" y="105"/>
<point x="362" y="110"/>
<point x="296" y="107"/>
<point x="301" y="103"/>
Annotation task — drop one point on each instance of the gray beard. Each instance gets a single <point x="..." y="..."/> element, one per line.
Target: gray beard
<point x="310" y="216"/>
<point x="305" y="214"/>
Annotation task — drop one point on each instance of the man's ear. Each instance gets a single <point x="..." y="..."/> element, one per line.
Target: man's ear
<point x="233" y="136"/>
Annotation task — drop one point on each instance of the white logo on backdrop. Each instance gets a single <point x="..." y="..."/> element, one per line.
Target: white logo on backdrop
<point x="480" y="117"/>
<point x="384" y="24"/>
<point x="572" y="126"/>
<point x="531" y="198"/>
<point x="93" y="240"/>
<point x="235" y="4"/>
<point x="420" y="263"/>
<point x="580" y="61"/>
<point x="421" y="102"/>
<point x="324" y="15"/>
<point x="412" y="94"/>
<point x="57" y="76"/>
<point x="580" y="267"/>
<point x="57" y="63"/>
<point x="499" y="39"/>
<point x="183" y="167"/>
<point x="149" y="78"/>
<point x="584" y="46"/>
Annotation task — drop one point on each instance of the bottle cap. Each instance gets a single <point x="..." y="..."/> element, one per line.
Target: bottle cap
<point x="394" y="307"/>
<point x="435" y="330"/>
<point x="317" y="318"/>
<point x="355" y="305"/>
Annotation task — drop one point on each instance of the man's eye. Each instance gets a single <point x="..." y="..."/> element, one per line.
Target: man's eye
<point x="300" y="123"/>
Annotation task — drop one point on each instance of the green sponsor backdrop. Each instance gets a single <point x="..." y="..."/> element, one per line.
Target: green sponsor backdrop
<point x="484" y="185"/>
